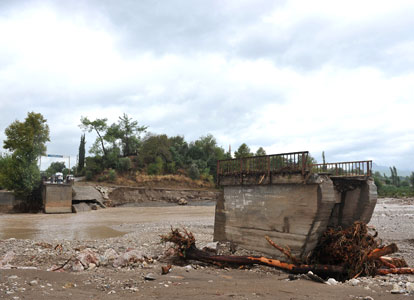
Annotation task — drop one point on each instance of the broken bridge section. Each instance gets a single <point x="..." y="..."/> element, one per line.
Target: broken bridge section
<point x="290" y="200"/>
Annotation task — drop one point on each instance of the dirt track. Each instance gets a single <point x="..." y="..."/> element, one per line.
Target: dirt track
<point x="139" y="228"/>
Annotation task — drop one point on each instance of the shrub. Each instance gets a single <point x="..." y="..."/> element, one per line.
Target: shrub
<point x="124" y="164"/>
<point x="193" y="172"/>
<point x="156" y="167"/>
<point x="88" y="175"/>
<point x="112" y="175"/>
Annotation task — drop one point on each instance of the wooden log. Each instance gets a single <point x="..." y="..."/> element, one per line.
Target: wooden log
<point x="283" y="250"/>
<point x="321" y="270"/>
<point x="377" y="253"/>
<point x="395" y="271"/>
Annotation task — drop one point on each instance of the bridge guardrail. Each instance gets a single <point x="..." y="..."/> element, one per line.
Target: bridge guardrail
<point x="344" y="169"/>
<point x="293" y="162"/>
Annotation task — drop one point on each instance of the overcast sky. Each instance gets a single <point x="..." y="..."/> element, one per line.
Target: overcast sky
<point x="289" y="76"/>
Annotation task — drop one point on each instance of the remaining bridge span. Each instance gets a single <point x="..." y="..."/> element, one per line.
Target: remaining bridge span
<point x="290" y="200"/>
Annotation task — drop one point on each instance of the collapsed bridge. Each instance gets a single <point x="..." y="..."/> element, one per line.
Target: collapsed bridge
<point x="290" y="200"/>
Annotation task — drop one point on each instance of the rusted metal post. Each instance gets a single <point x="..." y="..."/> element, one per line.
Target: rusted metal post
<point x="303" y="163"/>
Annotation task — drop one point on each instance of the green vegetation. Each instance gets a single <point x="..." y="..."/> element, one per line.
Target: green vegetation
<point x="81" y="156"/>
<point x="56" y="167"/>
<point x="243" y="151"/>
<point x="25" y="141"/>
<point x="122" y="148"/>
<point x="394" y="186"/>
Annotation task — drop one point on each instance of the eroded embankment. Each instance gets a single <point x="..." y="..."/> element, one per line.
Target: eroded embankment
<point x="133" y="196"/>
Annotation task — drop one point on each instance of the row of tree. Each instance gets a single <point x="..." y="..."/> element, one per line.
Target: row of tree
<point x="394" y="185"/>
<point x="126" y="145"/>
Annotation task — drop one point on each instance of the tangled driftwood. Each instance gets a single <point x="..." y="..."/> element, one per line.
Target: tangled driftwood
<point x="342" y="254"/>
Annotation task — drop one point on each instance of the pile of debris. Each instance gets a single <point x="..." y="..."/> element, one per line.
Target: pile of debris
<point x="340" y="254"/>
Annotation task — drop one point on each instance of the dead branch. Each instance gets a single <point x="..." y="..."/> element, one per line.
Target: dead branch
<point x="286" y="252"/>
<point x="378" y="252"/>
<point x="395" y="271"/>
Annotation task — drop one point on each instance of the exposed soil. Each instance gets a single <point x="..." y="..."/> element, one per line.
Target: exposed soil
<point x="154" y="181"/>
<point x="33" y="238"/>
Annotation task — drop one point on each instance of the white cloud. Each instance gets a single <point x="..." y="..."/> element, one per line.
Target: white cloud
<point x="300" y="76"/>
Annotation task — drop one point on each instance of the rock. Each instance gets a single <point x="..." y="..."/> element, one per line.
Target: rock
<point x="367" y="298"/>
<point x="131" y="256"/>
<point x="149" y="277"/>
<point x="91" y="266"/>
<point x="331" y="281"/>
<point x="212" y="246"/>
<point x="409" y="286"/>
<point x="87" y="257"/>
<point x="353" y="282"/>
<point x="109" y="255"/>
<point x="182" y="201"/>
<point x="5" y="261"/>
<point x="396" y="289"/>
<point x="33" y="283"/>
<point x="77" y="266"/>
<point x="80" y="207"/>
<point x="187" y="268"/>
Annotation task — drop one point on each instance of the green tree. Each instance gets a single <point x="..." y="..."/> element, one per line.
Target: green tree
<point x="26" y="141"/>
<point x="193" y="172"/>
<point x="155" y="146"/>
<point x="100" y="126"/>
<point x="205" y="152"/>
<point x="260" y="152"/>
<point x="54" y="168"/>
<point x="395" y="179"/>
<point x="81" y="162"/>
<point x="129" y="133"/>
<point x="179" y="151"/>
<point x="412" y="180"/>
<point x="243" y="151"/>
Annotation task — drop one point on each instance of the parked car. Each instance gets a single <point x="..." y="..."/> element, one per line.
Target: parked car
<point x="59" y="177"/>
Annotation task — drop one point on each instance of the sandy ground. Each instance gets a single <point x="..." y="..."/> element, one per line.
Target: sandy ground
<point x="38" y="242"/>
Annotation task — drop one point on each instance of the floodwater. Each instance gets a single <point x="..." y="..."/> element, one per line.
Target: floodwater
<point x="92" y="225"/>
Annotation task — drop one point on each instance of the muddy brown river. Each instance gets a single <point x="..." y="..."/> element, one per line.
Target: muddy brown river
<point x="100" y="224"/>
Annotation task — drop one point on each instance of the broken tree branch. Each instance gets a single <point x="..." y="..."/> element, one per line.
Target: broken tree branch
<point x="286" y="252"/>
<point x="378" y="252"/>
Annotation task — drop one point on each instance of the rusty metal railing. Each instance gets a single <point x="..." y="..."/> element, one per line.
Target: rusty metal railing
<point x="288" y="163"/>
<point x="293" y="162"/>
<point x="344" y="169"/>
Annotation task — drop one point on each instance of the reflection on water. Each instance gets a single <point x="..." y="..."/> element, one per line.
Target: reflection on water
<point x="64" y="232"/>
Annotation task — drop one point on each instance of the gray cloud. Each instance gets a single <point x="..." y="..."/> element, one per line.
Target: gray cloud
<point x="198" y="67"/>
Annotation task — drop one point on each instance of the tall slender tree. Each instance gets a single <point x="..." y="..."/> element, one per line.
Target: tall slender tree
<point x="81" y="162"/>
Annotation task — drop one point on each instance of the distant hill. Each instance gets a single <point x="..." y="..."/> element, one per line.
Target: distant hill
<point x="386" y="170"/>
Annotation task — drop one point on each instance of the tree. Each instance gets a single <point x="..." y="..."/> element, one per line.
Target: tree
<point x="27" y="138"/>
<point x="205" y="152"/>
<point x="155" y="146"/>
<point x="81" y="162"/>
<point x="395" y="179"/>
<point x="129" y="133"/>
<point x="243" y="151"/>
<point x="100" y="127"/>
<point x="26" y="141"/>
<point x="54" y="168"/>
<point x="412" y="179"/>
<point x="260" y="152"/>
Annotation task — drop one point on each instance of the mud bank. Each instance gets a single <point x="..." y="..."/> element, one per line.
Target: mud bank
<point x="134" y="196"/>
